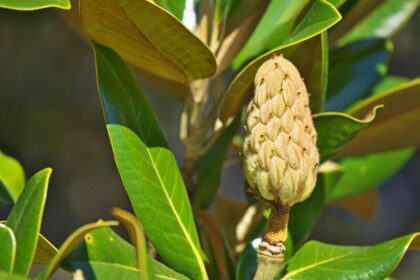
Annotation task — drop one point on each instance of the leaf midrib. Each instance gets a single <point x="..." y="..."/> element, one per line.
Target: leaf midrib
<point x="288" y="275"/>
<point x="178" y="218"/>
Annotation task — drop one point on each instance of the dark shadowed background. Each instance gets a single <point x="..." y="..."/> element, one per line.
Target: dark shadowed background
<point x="50" y="116"/>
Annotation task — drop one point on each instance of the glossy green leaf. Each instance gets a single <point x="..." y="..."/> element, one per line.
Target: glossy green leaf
<point x="135" y="230"/>
<point x="210" y="166"/>
<point x="354" y="70"/>
<point x="316" y="260"/>
<point x="25" y="219"/>
<point x="5" y="275"/>
<point x="155" y="187"/>
<point x="364" y="173"/>
<point x="105" y="255"/>
<point x="12" y="179"/>
<point x="7" y="249"/>
<point x="387" y="83"/>
<point x="147" y="37"/>
<point x="30" y="5"/>
<point x="175" y="7"/>
<point x="337" y="129"/>
<point x="272" y="30"/>
<point x="122" y="99"/>
<point x="45" y="251"/>
<point x="71" y="244"/>
<point x="310" y="59"/>
<point x="384" y="21"/>
<point x="149" y="172"/>
<point x="398" y="125"/>
<point x="305" y="214"/>
<point x="337" y="3"/>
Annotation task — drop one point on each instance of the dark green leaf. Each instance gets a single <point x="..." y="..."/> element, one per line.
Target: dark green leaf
<point x="337" y="129"/>
<point x="12" y="179"/>
<point x="210" y="166"/>
<point x="149" y="171"/>
<point x="364" y="173"/>
<point x="148" y="37"/>
<point x="122" y="99"/>
<point x="316" y="260"/>
<point x="30" y="5"/>
<point x="383" y="22"/>
<point x="304" y="215"/>
<point x="105" y="255"/>
<point x="337" y="3"/>
<point x="398" y="125"/>
<point x="25" y="219"/>
<point x="354" y="70"/>
<point x="7" y="249"/>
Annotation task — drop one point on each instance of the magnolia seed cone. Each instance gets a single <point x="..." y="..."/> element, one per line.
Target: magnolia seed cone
<point x="281" y="158"/>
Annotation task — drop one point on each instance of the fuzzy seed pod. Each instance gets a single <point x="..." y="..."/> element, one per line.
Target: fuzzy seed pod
<point x="281" y="158"/>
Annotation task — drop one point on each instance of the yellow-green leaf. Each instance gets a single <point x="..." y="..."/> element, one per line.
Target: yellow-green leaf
<point x="147" y="37"/>
<point x="45" y="251"/>
<point x="30" y="5"/>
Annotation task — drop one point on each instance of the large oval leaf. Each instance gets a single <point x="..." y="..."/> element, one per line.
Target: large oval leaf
<point x="155" y="187"/>
<point x="384" y="21"/>
<point x="7" y="248"/>
<point x="147" y="37"/>
<point x="105" y="255"/>
<point x="149" y="171"/>
<point x="309" y="57"/>
<point x="30" y="5"/>
<point x="337" y="129"/>
<point x="12" y="179"/>
<point x="316" y="260"/>
<point x="397" y="126"/>
<point x="25" y="219"/>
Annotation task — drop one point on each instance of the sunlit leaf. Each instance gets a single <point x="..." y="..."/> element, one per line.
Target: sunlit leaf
<point x="12" y="179"/>
<point x="105" y="255"/>
<point x="147" y="37"/>
<point x="316" y="260"/>
<point x="30" y="5"/>
<point x="175" y="7"/>
<point x="7" y="249"/>
<point x="25" y="219"/>
<point x="272" y="30"/>
<point x="147" y="167"/>
<point x="71" y="244"/>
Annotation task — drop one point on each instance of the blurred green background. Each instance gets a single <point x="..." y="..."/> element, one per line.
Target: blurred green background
<point x="50" y="116"/>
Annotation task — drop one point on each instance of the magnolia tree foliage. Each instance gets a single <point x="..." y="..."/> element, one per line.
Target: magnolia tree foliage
<point x="347" y="114"/>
